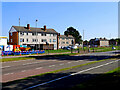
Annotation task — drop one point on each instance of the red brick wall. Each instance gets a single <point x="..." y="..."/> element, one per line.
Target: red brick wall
<point x="14" y="38"/>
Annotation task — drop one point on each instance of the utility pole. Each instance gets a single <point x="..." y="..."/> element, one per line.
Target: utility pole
<point x="36" y="34"/>
<point x="83" y="39"/>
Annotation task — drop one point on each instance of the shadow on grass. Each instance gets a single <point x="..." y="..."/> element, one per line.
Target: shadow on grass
<point x="74" y="58"/>
<point x="87" y="81"/>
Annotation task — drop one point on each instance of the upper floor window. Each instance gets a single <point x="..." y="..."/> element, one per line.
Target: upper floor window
<point x="34" y="34"/>
<point x="54" y="40"/>
<point x="43" y="34"/>
<point x="11" y="33"/>
<point x="54" y="34"/>
<point x="21" y="33"/>
<point x="21" y="40"/>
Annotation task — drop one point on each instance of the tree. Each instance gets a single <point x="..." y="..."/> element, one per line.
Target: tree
<point x="118" y="41"/>
<point x="75" y="33"/>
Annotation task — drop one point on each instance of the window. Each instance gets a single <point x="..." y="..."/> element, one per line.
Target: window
<point x="67" y="43"/>
<point x="34" y="34"/>
<point x="43" y="34"/>
<point x="26" y="33"/>
<point x="54" y="40"/>
<point x="34" y="40"/>
<point x="63" y="38"/>
<point x="11" y="40"/>
<point x="50" y="40"/>
<point x="21" y="33"/>
<point x="21" y="40"/>
<point x="54" y="34"/>
<point x="11" y="33"/>
<point x="43" y="40"/>
<point x="63" y="42"/>
<point x="27" y="39"/>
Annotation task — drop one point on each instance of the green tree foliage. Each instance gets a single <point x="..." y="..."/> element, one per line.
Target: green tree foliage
<point x="118" y="41"/>
<point x="75" y="33"/>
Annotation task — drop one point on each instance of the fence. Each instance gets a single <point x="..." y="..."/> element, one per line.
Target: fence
<point x="22" y="52"/>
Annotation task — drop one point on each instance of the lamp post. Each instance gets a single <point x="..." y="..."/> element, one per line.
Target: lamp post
<point x="36" y="34"/>
<point x="83" y="40"/>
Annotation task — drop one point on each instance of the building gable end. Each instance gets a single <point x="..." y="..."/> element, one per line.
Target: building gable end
<point x="12" y="30"/>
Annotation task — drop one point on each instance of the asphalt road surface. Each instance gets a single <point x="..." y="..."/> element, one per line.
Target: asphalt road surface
<point x="19" y="69"/>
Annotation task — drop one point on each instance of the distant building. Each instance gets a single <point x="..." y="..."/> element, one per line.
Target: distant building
<point x="36" y="38"/>
<point x="112" y="42"/>
<point x="99" y="42"/>
<point x="3" y="41"/>
<point x="65" y="41"/>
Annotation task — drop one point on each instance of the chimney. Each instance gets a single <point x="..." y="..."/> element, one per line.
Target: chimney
<point x="28" y="26"/>
<point x="44" y="27"/>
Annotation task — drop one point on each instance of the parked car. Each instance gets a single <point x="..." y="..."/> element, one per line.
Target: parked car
<point x="67" y="48"/>
<point x="74" y="47"/>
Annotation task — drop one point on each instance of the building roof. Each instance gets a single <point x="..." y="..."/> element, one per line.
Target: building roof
<point x="99" y="39"/>
<point x="33" y="29"/>
<point x="64" y="36"/>
<point x="3" y="37"/>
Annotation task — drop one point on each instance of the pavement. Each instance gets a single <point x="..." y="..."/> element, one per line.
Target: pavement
<point x="20" y="69"/>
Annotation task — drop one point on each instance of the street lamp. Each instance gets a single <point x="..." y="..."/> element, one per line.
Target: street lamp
<point x="36" y="34"/>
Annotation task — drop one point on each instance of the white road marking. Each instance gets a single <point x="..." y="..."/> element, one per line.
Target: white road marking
<point x="71" y="75"/>
<point x="23" y="70"/>
<point x="51" y="65"/>
<point x="8" y="73"/>
<point x="62" y="64"/>
<point x="39" y="68"/>
<point x="76" y="61"/>
<point x="69" y="62"/>
<point x="32" y="63"/>
<point x="5" y="66"/>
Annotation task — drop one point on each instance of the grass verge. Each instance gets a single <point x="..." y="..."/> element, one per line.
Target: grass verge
<point x="34" y="57"/>
<point x="109" y="80"/>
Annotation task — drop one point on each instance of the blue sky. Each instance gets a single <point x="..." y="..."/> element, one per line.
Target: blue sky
<point x="98" y="19"/>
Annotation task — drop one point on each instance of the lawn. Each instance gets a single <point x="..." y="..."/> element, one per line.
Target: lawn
<point x="57" y="51"/>
<point x="107" y="81"/>
<point x="102" y="49"/>
<point x="34" y="57"/>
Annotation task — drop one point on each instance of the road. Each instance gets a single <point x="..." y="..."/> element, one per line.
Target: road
<point x="20" y="69"/>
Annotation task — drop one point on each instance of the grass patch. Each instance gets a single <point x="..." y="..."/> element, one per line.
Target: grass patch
<point x="34" y="57"/>
<point x="109" y="80"/>
<point x="57" y="51"/>
<point x="15" y="59"/>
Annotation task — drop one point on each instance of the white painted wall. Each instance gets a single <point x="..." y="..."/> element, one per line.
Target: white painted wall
<point x="104" y="43"/>
<point x="3" y="41"/>
<point x="39" y="37"/>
